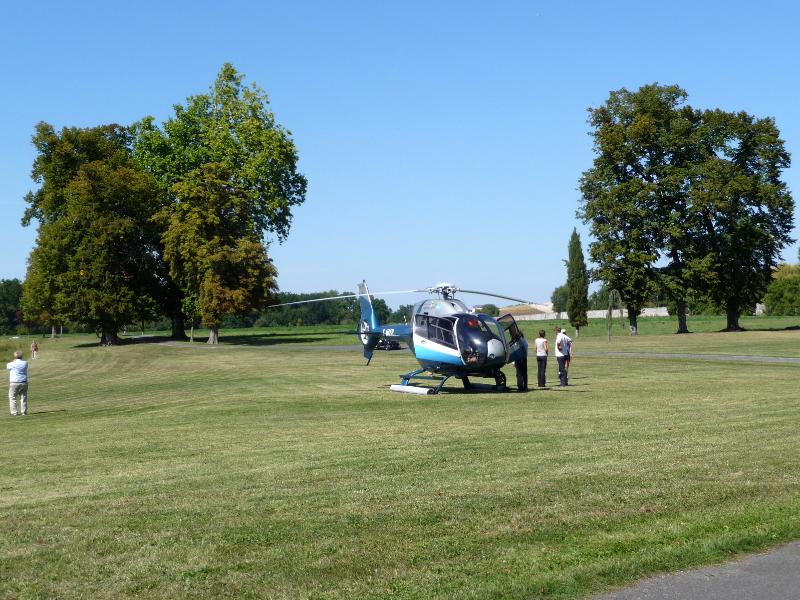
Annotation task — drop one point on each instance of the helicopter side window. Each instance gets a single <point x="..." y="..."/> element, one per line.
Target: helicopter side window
<point x="421" y="325"/>
<point x="441" y="331"/>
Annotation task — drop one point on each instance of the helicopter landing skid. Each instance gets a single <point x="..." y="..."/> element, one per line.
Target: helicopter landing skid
<point x="405" y="381"/>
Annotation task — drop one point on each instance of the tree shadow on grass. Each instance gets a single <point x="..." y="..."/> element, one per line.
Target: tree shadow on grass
<point x="251" y="339"/>
<point x="130" y="341"/>
<point x="741" y="329"/>
<point x="274" y="339"/>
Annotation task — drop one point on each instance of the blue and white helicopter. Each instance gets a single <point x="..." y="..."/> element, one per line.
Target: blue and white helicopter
<point x="446" y="338"/>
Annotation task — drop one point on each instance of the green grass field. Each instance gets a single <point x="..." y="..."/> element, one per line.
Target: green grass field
<point x="268" y="467"/>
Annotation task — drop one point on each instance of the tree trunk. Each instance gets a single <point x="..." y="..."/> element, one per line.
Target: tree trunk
<point x="682" y="326"/>
<point x="732" y="311"/>
<point x="109" y="338"/>
<point x="178" y="328"/>
<point x="633" y="319"/>
<point x="213" y="335"/>
<point x="53" y="332"/>
<point x="191" y="334"/>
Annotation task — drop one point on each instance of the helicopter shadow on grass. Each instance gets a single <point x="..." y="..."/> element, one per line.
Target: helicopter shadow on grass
<point x="512" y="393"/>
<point x="489" y="389"/>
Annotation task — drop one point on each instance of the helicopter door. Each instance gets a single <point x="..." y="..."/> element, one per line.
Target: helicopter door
<point x="516" y="341"/>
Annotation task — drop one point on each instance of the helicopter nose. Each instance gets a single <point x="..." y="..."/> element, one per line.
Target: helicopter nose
<point x="495" y="350"/>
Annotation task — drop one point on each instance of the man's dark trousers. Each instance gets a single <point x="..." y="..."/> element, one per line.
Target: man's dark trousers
<point x="522" y="373"/>
<point x="562" y="369"/>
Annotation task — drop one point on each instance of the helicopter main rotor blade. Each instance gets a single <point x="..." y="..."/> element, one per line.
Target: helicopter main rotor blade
<point x="495" y="296"/>
<point x="338" y="298"/>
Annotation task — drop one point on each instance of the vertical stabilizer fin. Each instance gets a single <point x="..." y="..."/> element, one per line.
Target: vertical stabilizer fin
<point x="368" y="323"/>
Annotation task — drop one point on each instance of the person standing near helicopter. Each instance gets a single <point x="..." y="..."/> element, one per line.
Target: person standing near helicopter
<point x="563" y="354"/>
<point x="541" y="358"/>
<point x="521" y="367"/>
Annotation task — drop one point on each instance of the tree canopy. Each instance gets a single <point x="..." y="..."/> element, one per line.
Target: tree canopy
<point x="233" y="127"/>
<point x="332" y="312"/>
<point x="742" y="209"/>
<point x="93" y="262"/>
<point x="10" y="305"/>
<point x="620" y="193"/>
<point x="135" y="220"/>
<point x="783" y="294"/>
<point x="213" y="249"/>
<point x="403" y="314"/>
<point x="489" y="309"/>
<point x="598" y="299"/>
<point x="559" y="298"/>
<point x="228" y="175"/>
<point x="684" y="200"/>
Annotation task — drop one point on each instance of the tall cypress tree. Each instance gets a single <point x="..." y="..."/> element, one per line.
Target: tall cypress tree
<point x="577" y="284"/>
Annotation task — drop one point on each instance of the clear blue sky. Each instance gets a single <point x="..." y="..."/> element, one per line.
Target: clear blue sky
<point x="441" y="140"/>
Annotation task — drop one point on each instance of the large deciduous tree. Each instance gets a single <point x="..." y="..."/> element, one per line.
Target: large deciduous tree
<point x="636" y="196"/>
<point x="577" y="284"/>
<point x="742" y="210"/>
<point x="559" y="298"/>
<point x="45" y="264"/>
<point x="620" y="196"/>
<point x="688" y="201"/>
<point x="254" y="169"/>
<point x="402" y="314"/>
<point x="783" y="294"/>
<point x="10" y="305"/>
<point x="93" y="262"/>
<point x="212" y="248"/>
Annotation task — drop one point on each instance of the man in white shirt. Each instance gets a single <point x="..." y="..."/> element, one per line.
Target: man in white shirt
<point x="17" y="384"/>
<point x="563" y="353"/>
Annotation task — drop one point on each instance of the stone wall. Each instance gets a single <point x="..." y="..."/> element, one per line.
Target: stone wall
<point x="659" y="311"/>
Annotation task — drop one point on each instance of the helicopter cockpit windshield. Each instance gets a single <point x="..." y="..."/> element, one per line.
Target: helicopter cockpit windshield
<point x="480" y="340"/>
